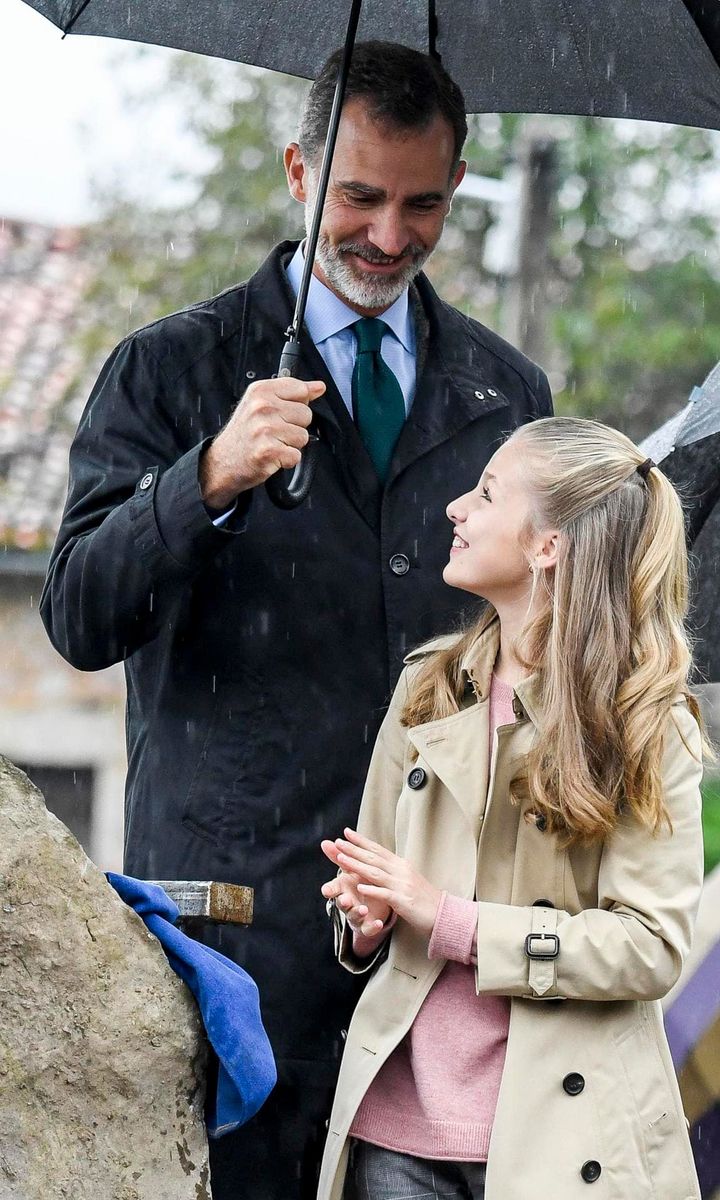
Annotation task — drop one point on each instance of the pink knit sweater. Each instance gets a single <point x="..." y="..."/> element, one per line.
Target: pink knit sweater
<point x="436" y="1094"/>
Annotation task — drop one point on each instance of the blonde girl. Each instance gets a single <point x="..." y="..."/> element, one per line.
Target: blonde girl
<point x="524" y="877"/>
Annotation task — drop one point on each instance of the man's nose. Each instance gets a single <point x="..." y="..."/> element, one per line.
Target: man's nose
<point x="389" y="232"/>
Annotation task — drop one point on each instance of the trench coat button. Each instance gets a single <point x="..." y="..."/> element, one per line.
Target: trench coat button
<point x="417" y="778"/>
<point x="146" y="482"/>
<point x="591" y="1171"/>
<point x="399" y="564"/>
<point x="574" y="1083"/>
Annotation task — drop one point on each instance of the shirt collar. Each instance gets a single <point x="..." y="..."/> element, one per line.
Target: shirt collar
<point x="326" y="314"/>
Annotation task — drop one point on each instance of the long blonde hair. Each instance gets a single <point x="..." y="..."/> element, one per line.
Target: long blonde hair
<point x="608" y="639"/>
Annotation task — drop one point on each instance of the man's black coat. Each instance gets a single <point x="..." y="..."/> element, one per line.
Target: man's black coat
<point x="259" y="656"/>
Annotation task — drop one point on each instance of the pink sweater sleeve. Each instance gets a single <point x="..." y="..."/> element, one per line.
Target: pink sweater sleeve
<point x="455" y="930"/>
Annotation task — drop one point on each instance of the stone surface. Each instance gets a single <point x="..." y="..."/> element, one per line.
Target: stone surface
<point x="102" y="1052"/>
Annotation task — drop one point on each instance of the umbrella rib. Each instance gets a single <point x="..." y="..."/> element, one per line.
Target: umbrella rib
<point x="71" y="22"/>
<point x="568" y="19"/>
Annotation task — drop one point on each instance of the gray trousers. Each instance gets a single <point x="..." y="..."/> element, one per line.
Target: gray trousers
<point x="377" y="1174"/>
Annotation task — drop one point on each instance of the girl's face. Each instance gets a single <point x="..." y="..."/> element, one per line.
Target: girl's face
<point x="486" y="557"/>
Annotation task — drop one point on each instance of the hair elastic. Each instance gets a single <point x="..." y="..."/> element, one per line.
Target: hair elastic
<point x="645" y="467"/>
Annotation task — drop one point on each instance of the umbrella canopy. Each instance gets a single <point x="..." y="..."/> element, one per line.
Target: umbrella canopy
<point x="654" y="60"/>
<point x="688" y="449"/>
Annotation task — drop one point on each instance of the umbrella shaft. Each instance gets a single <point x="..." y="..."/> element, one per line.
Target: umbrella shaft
<point x="314" y="231"/>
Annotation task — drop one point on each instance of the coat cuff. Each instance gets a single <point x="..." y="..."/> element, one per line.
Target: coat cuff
<point x="343" y="936"/>
<point x="174" y="532"/>
<point x="454" y="931"/>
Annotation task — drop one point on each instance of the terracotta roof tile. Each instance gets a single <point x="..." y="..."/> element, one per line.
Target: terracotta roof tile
<point x="45" y="375"/>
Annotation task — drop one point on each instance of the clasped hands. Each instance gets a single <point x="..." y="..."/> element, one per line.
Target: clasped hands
<point x="375" y="883"/>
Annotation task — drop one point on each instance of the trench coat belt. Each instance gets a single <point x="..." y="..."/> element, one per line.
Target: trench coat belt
<point x="542" y="947"/>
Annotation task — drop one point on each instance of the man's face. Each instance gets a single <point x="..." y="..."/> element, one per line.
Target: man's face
<point x="388" y="197"/>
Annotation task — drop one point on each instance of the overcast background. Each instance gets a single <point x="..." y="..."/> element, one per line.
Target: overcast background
<point x="63" y="118"/>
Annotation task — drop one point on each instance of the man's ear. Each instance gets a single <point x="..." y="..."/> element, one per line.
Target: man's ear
<point x="456" y="181"/>
<point x="295" y="171"/>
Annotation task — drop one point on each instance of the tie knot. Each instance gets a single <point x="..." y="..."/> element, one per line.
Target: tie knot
<point x="369" y="332"/>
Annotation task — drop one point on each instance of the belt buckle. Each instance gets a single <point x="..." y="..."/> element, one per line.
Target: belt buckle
<point x="543" y="953"/>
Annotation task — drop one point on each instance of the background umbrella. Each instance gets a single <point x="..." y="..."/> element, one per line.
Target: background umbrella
<point x="647" y="59"/>
<point x="688" y="447"/>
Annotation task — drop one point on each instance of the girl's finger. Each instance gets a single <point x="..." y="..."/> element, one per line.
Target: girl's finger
<point x="363" y="870"/>
<point x="359" y="840"/>
<point x="377" y="893"/>
<point x="372" y="928"/>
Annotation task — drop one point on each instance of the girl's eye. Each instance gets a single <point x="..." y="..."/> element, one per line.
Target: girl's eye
<point x="486" y="493"/>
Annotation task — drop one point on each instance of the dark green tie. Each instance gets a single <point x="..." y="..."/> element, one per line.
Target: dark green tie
<point x="378" y="403"/>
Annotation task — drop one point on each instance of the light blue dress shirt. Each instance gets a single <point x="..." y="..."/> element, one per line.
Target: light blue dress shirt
<point x="328" y="320"/>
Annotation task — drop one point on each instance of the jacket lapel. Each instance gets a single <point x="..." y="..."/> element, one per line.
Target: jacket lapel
<point x="268" y="312"/>
<point x="453" y="390"/>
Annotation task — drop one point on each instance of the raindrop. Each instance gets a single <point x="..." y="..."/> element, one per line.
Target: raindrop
<point x="214" y="682"/>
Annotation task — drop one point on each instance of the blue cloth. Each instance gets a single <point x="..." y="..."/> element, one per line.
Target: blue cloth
<point x="229" y="1005"/>
<point x="329" y="322"/>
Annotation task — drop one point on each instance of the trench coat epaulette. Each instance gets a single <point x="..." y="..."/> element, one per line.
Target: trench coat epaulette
<point x="439" y="643"/>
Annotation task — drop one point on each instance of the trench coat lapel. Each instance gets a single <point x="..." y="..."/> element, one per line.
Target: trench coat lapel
<point x="456" y="750"/>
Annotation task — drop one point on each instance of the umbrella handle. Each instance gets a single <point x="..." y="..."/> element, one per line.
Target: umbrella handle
<point x="288" y="489"/>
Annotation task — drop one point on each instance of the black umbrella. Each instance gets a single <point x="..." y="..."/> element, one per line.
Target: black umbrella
<point x="655" y="60"/>
<point x="688" y="449"/>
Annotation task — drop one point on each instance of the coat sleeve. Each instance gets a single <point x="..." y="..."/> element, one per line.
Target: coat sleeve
<point x="632" y="946"/>
<point x="376" y="818"/>
<point x="134" y="530"/>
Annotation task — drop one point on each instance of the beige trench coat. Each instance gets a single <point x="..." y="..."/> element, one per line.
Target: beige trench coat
<point x="622" y="912"/>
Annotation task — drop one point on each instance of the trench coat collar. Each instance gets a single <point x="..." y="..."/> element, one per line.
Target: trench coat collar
<point x="478" y="664"/>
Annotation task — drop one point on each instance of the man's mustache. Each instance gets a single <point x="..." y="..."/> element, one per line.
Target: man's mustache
<point x="372" y="254"/>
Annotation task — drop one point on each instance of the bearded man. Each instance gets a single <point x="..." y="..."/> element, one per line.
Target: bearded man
<point x="261" y="645"/>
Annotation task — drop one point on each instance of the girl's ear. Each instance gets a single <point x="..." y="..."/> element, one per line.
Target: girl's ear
<point x="547" y="553"/>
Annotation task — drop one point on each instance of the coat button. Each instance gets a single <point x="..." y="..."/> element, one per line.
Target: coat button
<point x="146" y="482"/>
<point x="417" y="778"/>
<point x="591" y="1171"/>
<point x="399" y="564"/>
<point x="574" y="1083"/>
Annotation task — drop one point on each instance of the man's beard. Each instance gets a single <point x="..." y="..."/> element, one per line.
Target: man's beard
<point x="367" y="290"/>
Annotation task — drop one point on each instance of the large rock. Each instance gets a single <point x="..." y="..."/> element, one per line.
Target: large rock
<point x="102" y="1052"/>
